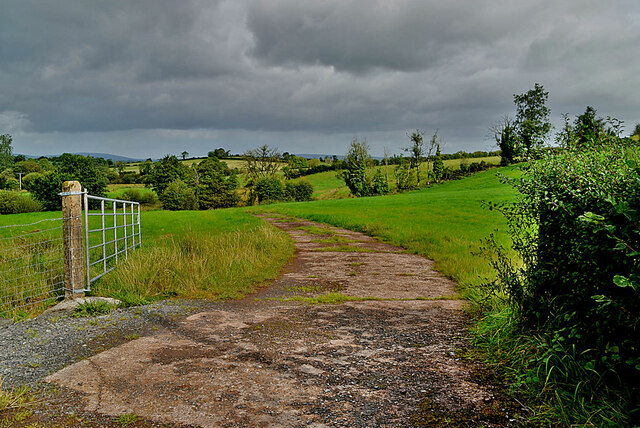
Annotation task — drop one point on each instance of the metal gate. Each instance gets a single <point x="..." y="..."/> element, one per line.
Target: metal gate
<point x="110" y="234"/>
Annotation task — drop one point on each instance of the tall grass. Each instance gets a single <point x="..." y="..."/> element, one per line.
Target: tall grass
<point x="227" y="265"/>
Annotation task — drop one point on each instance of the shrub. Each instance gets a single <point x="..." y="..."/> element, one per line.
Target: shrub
<point x="300" y="191"/>
<point x="178" y="196"/>
<point x="16" y="203"/>
<point x="142" y="197"/>
<point x="28" y="180"/>
<point x="12" y="184"/>
<point x="133" y="195"/>
<point x="149" y="198"/>
<point x="576" y="232"/>
<point x="269" y="189"/>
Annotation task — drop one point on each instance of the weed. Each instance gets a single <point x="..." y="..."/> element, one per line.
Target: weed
<point x="92" y="309"/>
<point x="334" y="239"/>
<point x="356" y="264"/>
<point x="127" y="419"/>
<point x="132" y="337"/>
<point x="14" y="399"/>
<point x="315" y="230"/>
<point x="353" y="274"/>
<point x="22" y="415"/>
<point x="345" y="249"/>
<point x="332" y="298"/>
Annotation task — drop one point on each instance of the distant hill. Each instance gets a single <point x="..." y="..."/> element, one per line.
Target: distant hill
<point x="114" y="158"/>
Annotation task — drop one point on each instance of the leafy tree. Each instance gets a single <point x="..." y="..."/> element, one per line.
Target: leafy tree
<point x="416" y="151"/>
<point x="219" y="153"/>
<point x="6" y="158"/>
<point x="379" y="185"/>
<point x="84" y="170"/>
<point x="216" y="184"/>
<point x="405" y="179"/>
<point x="28" y="166"/>
<point x="145" y="167"/>
<point x="532" y="119"/>
<point x="588" y="128"/>
<point x="269" y="189"/>
<point x="185" y="154"/>
<point x="438" y="165"/>
<point x="178" y="196"/>
<point x="165" y="171"/>
<point x="120" y="166"/>
<point x="505" y="134"/>
<point x="46" y="187"/>
<point x="28" y="180"/>
<point x="636" y="131"/>
<point x="262" y="162"/>
<point x="356" y="164"/>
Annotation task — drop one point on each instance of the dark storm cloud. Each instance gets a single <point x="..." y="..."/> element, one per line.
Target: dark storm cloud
<point x="286" y="68"/>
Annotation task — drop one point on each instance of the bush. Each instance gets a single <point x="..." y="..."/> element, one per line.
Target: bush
<point x="28" y="180"/>
<point x="576" y="232"/>
<point x="300" y="191"/>
<point x="12" y="184"/>
<point x="137" y="195"/>
<point x="179" y="196"/>
<point x="148" y="198"/>
<point x="16" y="203"/>
<point x="269" y="189"/>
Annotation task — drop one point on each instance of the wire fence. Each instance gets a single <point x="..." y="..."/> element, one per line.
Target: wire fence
<point x="31" y="265"/>
<point x="43" y="261"/>
<point x="112" y="233"/>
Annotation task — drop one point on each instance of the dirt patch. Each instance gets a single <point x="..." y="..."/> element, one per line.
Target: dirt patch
<point x="266" y="361"/>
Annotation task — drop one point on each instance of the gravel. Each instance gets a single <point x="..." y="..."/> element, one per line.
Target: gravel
<point x="32" y="349"/>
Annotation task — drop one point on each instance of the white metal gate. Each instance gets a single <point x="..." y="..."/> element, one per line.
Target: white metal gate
<point x="110" y="234"/>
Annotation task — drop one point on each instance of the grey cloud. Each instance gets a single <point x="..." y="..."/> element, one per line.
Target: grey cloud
<point x="276" y="67"/>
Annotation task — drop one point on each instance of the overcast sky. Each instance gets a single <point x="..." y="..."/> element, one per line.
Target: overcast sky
<point x="145" y="78"/>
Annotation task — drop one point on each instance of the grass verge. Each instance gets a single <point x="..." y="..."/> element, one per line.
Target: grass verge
<point x="223" y="265"/>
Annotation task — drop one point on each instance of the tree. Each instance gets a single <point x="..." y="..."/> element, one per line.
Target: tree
<point x="6" y="156"/>
<point x="433" y="144"/>
<point x="356" y="163"/>
<point x="636" y="131"/>
<point x="416" y="151"/>
<point x="145" y="167"/>
<point x="438" y="165"/>
<point x="588" y="128"/>
<point x="120" y="166"/>
<point x="504" y="132"/>
<point x="532" y="119"/>
<point x="262" y="162"/>
<point x="165" y="171"/>
<point x="219" y="153"/>
<point x="178" y="196"/>
<point x="217" y="185"/>
<point x="185" y="154"/>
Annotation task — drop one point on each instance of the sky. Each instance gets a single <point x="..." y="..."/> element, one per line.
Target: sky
<point x="147" y="78"/>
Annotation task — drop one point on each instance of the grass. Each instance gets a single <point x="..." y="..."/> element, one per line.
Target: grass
<point x="224" y="262"/>
<point x="14" y="399"/>
<point x="334" y="240"/>
<point x="218" y="254"/>
<point x="92" y="309"/>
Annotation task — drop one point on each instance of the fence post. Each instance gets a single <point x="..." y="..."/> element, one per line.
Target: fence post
<point x="74" y="273"/>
